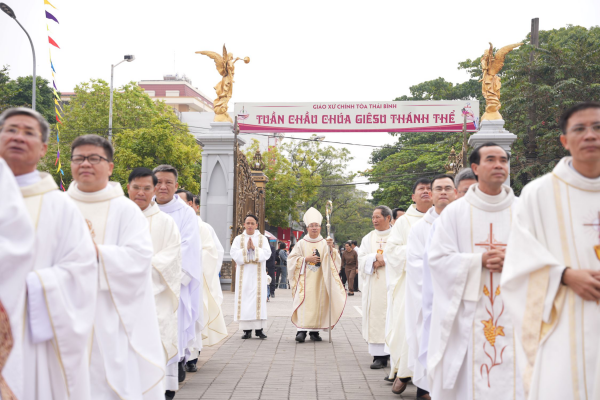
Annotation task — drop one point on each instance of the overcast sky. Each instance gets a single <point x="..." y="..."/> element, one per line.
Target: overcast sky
<point x="300" y="51"/>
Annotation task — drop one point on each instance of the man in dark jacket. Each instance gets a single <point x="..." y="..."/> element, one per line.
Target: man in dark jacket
<point x="271" y="270"/>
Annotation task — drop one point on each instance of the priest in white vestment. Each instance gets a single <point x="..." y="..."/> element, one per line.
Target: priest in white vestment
<point x="372" y="270"/>
<point x="443" y="193"/>
<point x="16" y="248"/>
<point x="166" y="268"/>
<point x="395" y="258"/>
<point x="190" y="309"/>
<point x="471" y="342"/>
<point x="61" y="285"/>
<point x="551" y="279"/>
<point x="126" y="360"/>
<point x="311" y="265"/>
<point x="250" y="251"/>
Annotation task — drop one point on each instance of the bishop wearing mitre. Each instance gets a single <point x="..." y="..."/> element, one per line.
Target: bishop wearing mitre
<point x="126" y="360"/>
<point x="471" y="353"/>
<point x="166" y="268"/>
<point x="551" y="278"/>
<point x="61" y="281"/>
<point x="314" y="269"/>
<point x="250" y="251"/>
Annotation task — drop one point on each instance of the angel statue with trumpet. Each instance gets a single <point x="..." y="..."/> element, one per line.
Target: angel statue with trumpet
<point x="491" y="64"/>
<point x="225" y="66"/>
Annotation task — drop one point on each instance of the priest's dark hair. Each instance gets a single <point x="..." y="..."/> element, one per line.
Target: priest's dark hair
<point x="475" y="157"/>
<point x="167" y="168"/>
<point x="142" y="172"/>
<point x="421" y="181"/>
<point x="465" y="173"/>
<point x="395" y="212"/>
<point x="197" y="200"/>
<point x="94" y="140"/>
<point x="11" y="112"/>
<point x="564" y="118"/>
<point x="188" y="195"/>
<point x="252" y="216"/>
<point x="355" y="243"/>
<point x="442" y="176"/>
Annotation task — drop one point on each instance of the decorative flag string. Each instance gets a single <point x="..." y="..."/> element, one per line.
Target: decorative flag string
<point x="57" y="107"/>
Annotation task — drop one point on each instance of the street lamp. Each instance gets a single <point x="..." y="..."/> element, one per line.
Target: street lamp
<point x="128" y="58"/>
<point x="8" y="11"/>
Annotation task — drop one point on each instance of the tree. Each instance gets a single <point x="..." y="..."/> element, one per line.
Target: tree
<point x="145" y="133"/>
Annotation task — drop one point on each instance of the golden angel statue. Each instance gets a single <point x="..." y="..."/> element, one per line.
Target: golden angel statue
<point x="491" y="64"/>
<point x="224" y="89"/>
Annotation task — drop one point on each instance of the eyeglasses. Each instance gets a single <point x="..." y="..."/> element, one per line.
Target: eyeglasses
<point x="439" y="189"/>
<point x="580" y="129"/>
<point x="146" y="189"/>
<point x="93" y="159"/>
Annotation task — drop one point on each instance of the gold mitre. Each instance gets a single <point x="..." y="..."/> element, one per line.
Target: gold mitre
<point x="312" y="216"/>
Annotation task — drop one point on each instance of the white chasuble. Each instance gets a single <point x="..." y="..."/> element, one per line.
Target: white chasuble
<point x="374" y="290"/>
<point x="166" y="276"/>
<point x="61" y="295"/>
<point x="557" y="225"/>
<point x="17" y="243"/>
<point x="417" y="239"/>
<point x="395" y="260"/>
<point x="215" y="329"/>
<point x="471" y="345"/>
<point x="310" y="285"/>
<point x="250" y="304"/>
<point x="127" y="360"/>
<point x="190" y="311"/>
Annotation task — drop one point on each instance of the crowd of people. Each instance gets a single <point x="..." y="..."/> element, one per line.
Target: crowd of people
<point x="101" y="296"/>
<point x="470" y="292"/>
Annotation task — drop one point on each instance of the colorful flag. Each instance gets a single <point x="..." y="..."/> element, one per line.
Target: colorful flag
<point x="52" y="65"/>
<point x="52" y="42"/>
<point x="47" y="2"/>
<point x="52" y="17"/>
<point x="54" y="85"/>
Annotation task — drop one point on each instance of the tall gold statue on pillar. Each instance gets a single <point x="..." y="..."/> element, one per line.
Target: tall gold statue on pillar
<point x="491" y="64"/>
<point x="224" y="89"/>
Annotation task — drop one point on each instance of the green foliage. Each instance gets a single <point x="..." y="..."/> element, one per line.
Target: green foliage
<point x="145" y="133"/>
<point x="17" y="93"/>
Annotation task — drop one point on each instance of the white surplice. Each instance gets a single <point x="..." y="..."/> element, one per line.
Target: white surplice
<point x="17" y="241"/>
<point x="250" y="304"/>
<point x="471" y="342"/>
<point x="374" y="288"/>
<point x="417" y="239"/>
<point x="557" y="225"/>
<point x="395" y="260"/>
<point x="166" y="280"/>
<point x="127" y="360"/>
<point x="190" y="309"/>
<point x="61" y="294"/>
<point x="215" y="329"/>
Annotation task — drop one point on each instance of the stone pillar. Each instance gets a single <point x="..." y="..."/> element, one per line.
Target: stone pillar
<point x="217" y="187"/>
<point x="260" y="180"/>
<point x="493" y="131"/>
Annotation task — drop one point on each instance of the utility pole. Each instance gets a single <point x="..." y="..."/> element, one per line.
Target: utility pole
<point x="531" y="153"/>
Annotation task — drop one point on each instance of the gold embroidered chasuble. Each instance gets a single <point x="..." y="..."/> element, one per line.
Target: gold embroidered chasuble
<point x="310" y="285"/>
<point x="557" y="225"/>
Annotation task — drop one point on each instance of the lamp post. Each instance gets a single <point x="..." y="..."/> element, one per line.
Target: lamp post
<point x="128" y="58"/>
<point x="8" y="11"/>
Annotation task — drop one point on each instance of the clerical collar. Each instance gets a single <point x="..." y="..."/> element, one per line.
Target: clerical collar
<point x="28" y="179"/>
<point x="431" y="215"/>
<point x="492" y="199"/>
<point x="94" y="193"/>
<point x="311" y="240"/>
<point x="488" y="203"/>
<point x="383" y="233"/>
<point x="112" y="191"/>
<point x="254" y="234"/>
<point x="173" y="205"/>
<point x="568" y="174"/>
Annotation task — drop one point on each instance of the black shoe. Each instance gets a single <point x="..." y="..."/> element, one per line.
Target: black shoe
<point x="247" y="335"/>
<point x="181" y="372"/>
<point x="169" y="395"/>
<point x="315" y="337"/>
<point x="259" y="334"/>
<point x="190" y="366"/>
<point x="301" y="336"/>
<point x="273" y="294"/>
<point x="390" y="380"/>
<point x="379" y="363"/>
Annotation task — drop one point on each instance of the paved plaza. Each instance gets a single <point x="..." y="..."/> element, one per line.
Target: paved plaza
<point x="279" y="368"/>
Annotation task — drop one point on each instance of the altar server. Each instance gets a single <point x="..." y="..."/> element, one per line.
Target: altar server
<point x="16" y="248"/>
<point x="471" y="351"/>
<point x="250" y="251"/>
<point x="190" y="311"/>
<point x="166" y="268"/>
<point x="311" y="265"/>
<point x="551" y="279"/>
<point x="126" y="359"/>
<point x="373" y="274"/>
<point x="395" y="258"/>
<point x="61" y="284"/>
